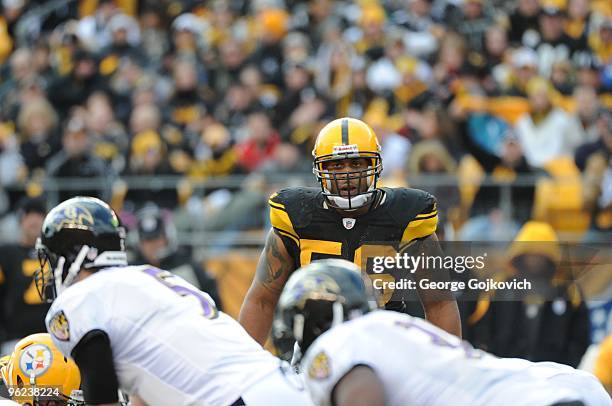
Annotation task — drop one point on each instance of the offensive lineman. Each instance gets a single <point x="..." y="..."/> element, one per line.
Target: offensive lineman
<point x="143" y="329"/>
<point x="356" y="356"/>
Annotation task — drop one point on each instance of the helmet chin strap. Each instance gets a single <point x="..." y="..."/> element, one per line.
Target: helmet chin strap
<point x="354" y="202"/>
<point x="57" y="274"/>
<point x="75" y="267"/>
<point x="298" y="327"/>
<point x="337" y="314"/>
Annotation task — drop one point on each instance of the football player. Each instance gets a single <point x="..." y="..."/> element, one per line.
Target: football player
<point x="339" y="220"/>
<point x="143" y="329"/>
<point x="36" y="373"/>
<point x="357" y="355"/>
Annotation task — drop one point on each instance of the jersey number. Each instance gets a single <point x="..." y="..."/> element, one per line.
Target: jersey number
<point x="318" y="249"/>
<point x="440" y="340"/>
<point x="209" y="309"/>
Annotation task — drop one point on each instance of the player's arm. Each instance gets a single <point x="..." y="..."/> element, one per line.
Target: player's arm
<point x="439" y="305"/>
<point x="94" y="357"/>
<point x="359" y="387"/>
<point x="274" y="266"/>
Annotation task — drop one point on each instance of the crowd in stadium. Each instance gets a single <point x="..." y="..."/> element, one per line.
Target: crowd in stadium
<point x="204" y="89"/>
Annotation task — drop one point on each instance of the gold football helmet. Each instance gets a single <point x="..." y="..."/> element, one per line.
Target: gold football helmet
<point x="37" y="363"/>
<point x="347" y="138"/>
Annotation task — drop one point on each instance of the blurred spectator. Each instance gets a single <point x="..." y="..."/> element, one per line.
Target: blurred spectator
<point x="76" y="159"/>
<point x="296" y="48"/>
<point x="601" y="146"/>
<point x="431" y="158"/>
<point x="21" y="309"/>
<point x="450" y="64"/>
<point x="186" y="31"/>
<point x="148" y="155"/>
<point x="524" y="68"/>
<point x="235" y="107"/>
<point x="395" y="147"/>
<point x="93" y="30"/>
<point x="272" y="27"/>
<point x="435" y="123"/>
<point x="158" y="246"/>
<point x="214" y="153"/>
<point x="260" y="143"/>
<point x="186" y="106"/>
<point x="553" y="44"/>
<point x="596" y="161"/>
<point x="501" y="163"/>
<point x="287" y="161"/>
<point x="125" y="41"/>
<point x="232" y="59"/>
<point x="74" y="88"/>
<point x="298" y="91"/>
<point x="473" y="23"/>
<point x="588" y="109"/>
<point x="600" y="41"/>
<point x="510" y="323"/>
<point x="561" y="77"/>
<point x="155" y="42"/>
<point x="524" y="22"/>
<point x="422" y="32"/>
<point x="108" y="136"/>
<point x="12" y="167"/>
<point x="37" y="122"/>
<point x="372" y="34"/>
<point x="588" y="71"/>
<point x="578" y="23"/>
<point x="547" y="132"/>
<point x="494" y="68"/>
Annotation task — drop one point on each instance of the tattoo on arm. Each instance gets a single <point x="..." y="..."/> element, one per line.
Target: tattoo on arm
<point x="275" y="264"/>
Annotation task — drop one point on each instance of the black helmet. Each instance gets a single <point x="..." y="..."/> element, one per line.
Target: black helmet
<point x="82" y="232"/>
<point x="319" y="296"/>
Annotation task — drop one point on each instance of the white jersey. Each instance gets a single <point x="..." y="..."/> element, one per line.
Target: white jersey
<point x="170" y="345"/>
<point x="420" y="364"/>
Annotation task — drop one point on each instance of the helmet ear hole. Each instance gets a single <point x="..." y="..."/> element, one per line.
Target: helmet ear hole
<point x="19" y="381"/>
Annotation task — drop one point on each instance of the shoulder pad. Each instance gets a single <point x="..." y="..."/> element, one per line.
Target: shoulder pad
<point x="298" y="203"/>
<point x="404" y="204"/>
<point x="415" y="210"/>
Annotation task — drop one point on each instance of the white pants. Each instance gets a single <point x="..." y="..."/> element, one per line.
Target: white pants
<point x="281" y="388"/>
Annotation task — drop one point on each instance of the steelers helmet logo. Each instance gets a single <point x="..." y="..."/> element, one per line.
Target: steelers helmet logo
<point x="35" y="360"/>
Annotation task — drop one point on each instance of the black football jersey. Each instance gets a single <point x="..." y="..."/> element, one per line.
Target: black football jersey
<point x="21" y="309"/>
<point x="311" y="230"/>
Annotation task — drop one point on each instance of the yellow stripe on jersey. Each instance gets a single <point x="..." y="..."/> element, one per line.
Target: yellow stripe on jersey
<point x="1" y="276"/>
<point x="277" y="205"/>
<point x="426" y="215"/>
<point x="297" y="241"/>
<point x="420" y="227"/>
<point x="280" y="220"/>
